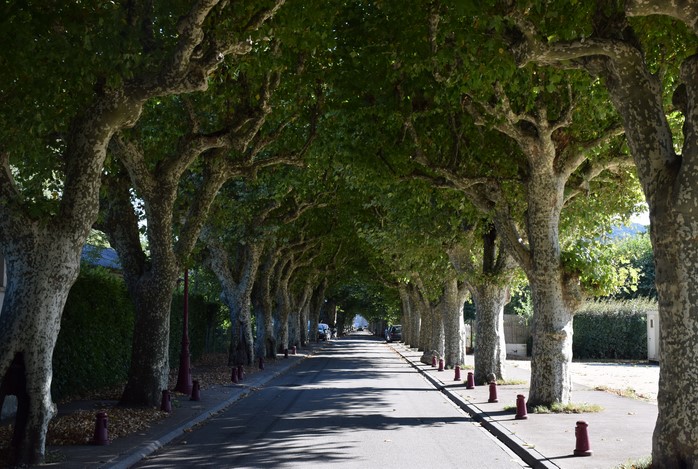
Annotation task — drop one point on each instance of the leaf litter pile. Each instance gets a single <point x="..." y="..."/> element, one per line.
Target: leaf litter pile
<point x="77" y="428"/>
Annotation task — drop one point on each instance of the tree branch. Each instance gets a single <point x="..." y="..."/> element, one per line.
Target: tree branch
<point x="579" y="153"/>
<point x="592" y="171"/>
<point x="683" y="10"/>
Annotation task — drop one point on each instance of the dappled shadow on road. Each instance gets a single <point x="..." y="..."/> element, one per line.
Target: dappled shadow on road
<point x="314" y="414"/>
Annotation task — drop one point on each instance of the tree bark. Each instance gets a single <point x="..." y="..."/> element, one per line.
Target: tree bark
<point x="454" y="327"/>
<point x="236" y="280"/>
<point x="489" y="287"/>
<point x="264" y="304"/>
<point x="490" y="352"/>
<point x="669" y="182"/>
<point x="38" y="283"/>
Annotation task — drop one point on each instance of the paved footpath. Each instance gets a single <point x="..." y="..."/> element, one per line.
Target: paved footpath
<point x="126" y="451"/>
<point x="620" y="434"/>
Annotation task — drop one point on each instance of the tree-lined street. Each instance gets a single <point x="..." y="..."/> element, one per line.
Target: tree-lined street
<point x="355" y="403"/>
<point x="313" y="161"/>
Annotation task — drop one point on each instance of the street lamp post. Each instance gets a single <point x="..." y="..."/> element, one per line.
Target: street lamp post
<point x="184" y="383"/>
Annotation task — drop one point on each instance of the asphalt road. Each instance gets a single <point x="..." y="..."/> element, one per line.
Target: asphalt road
<point x="356" y="403"/>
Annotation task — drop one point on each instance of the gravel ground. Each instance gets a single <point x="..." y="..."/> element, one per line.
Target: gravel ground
<point x="640" y="377"/>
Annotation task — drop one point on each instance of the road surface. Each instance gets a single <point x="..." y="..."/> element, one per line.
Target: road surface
<point x="354" y="404"/>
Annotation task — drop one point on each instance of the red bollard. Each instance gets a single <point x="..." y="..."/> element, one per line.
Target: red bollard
<point x="195" y="391"/>
<point x="241" y="372"/>
<point x="580" y="432"/>
<point x="470" y="382"/>
<point x="293" y="350"/>
<point x="261" y="363"/>
<point x="456" y="376"/>
<point x="433" y="361"/>
<point x="441" y="364"/>
<point x="234" y="375"/>
<point x="493" y="392"/>
<point x="166" y="403"/>
<point x="521" y="412"/>
<point x="285" y="353"/>
<point x="100" y="437"/>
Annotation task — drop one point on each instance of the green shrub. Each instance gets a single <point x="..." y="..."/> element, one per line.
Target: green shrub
<point x="612" y="329"/>
<point x="94" y="345"/>
<point x="205" y="334"/>
<point x="93" y="350"/>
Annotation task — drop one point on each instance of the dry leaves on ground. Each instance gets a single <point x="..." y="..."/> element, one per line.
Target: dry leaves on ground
<point x="78" y="427"/>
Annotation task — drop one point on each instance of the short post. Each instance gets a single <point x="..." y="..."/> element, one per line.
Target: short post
<point x="521" y="412"/>
<point x="441" y="364"/>
<point x="582" y="436"/>
<point x="470" y="381"/>
<point x="456" y="376"/>
<point x="285" y="353"/>
<point x="241" y="372"/>
<point x="234" y="375"/>
<point x="195" y="391"/>
<point x="101" y="436"/>
<point x="293" y="350"/>
<point x="166" y="402"/>
<point x="493" y="392"/>
<point x="261" y="363"/>
<point x="433" y="361"/>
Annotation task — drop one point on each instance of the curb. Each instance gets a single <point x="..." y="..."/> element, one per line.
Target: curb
<point x="530" y="456"/>
<point x="142" y="451"/>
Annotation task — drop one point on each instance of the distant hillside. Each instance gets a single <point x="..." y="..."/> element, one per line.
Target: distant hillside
<point x="627" y="231"/>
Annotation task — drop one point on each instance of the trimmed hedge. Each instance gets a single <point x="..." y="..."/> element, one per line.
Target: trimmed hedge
<point x="94" y="345"/>
<point x="93" y="350"/>
<point x="612" y="329"/>
<point x="205" y="333"/>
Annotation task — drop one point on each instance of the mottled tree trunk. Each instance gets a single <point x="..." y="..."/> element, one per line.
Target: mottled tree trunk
<point x="411" y="321"/>
<point x="236" y="280"/>
<point x="316" y="305"/>
<point x="264" y="305"/>
<point x="490" y="353"/>
<point x="555" y="294"/>
<point x="454" y="327"/>
<point x="406" y="314"/>
<point x="282" y="304"/>
<point x="149" y="370"/>
<point x="670" y="184"/>
<point x="304" y="312"/>
<point x="37" y="289"/>
<point x="435" y="330"/>
<point x="420" y="308"/>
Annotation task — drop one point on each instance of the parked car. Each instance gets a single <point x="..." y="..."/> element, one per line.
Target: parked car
<point x="323" y="331"/>
<point x="394" y="333"/>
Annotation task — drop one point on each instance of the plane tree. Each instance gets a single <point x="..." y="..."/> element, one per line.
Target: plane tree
<point x="521" y="145"/>
<point x="245" y="224"/>
<point x="644" y="54"/>
<point x="177" y="159"/>
<point x="71" y="77"/>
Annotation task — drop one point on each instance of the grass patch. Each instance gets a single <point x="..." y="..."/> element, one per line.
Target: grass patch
<point x="627" y="392"/>
<point x="467" y="367"/>
<point x="511" y="382"/>
<point x="642" y="463"/>
<point x="570" y="408"/>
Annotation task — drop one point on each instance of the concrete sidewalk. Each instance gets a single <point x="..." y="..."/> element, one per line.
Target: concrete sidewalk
<point x="620" y="434"/>
<point x="127" y="451"/>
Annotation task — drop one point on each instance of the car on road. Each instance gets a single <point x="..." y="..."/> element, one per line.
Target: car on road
<point x="394" y="333"/>
<point x="323" y="331"/>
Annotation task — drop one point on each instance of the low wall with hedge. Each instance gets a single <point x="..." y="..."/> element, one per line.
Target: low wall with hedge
<point x="612" y="330"/>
